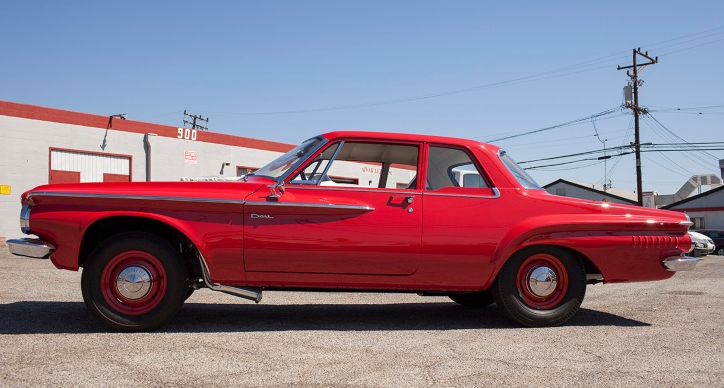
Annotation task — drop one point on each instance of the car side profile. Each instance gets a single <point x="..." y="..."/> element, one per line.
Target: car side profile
<point x="354" y="211"/>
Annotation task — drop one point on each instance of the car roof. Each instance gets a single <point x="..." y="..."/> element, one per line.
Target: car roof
<point x="411" y="137"/>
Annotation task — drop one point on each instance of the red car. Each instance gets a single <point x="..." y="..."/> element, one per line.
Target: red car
<point x="350" y="211"/>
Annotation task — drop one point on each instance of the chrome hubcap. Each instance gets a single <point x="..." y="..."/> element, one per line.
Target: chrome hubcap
<point x="542" y="281"/>
<point x="133" y="282"/>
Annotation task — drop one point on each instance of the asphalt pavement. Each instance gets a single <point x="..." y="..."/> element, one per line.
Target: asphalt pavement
<point x="655" y="334"/>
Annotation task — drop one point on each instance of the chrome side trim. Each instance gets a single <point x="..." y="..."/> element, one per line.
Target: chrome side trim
<point x="144" y="197"/>
<point x="688" y="224"/>
<point x="311" y="205"/>
<point x="30" y="247"/>
<point x="496" y="194"/>
<point x="25" y="219"/>
<point x="356" y="189"/>
<point x="680" y="263"/>
<point x="246" y="293"/>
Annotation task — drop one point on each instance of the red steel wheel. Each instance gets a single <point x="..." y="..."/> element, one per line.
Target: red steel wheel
<point x="542" y="281"/>
<point x="540" y="286"/>
<point x="133" y="282"/>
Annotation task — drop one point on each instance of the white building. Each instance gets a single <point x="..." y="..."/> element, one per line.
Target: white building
<point x="706" y="210"/>
<point x="44" y="145"/>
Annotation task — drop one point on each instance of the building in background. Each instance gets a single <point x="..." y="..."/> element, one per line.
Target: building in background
<point x="706" y="210"/>
<point x="44" y="145"/>
<point x="566" y="188"/>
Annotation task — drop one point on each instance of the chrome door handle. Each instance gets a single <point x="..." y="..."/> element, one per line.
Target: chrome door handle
<point x="407" y="198"/>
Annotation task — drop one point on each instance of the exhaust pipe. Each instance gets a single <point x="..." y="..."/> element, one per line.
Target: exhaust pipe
<point x="246" y="293"/>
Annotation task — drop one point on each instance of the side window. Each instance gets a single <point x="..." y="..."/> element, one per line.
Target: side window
<point x="362" y="164"/>
<point x="452" y="167"/>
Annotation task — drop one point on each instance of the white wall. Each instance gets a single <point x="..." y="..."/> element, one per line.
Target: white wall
<point x="25" y="158"/>
<point x="25" y="153"/>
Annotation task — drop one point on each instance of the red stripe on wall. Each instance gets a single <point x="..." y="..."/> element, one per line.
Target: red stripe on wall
<point x="32" y="112"/>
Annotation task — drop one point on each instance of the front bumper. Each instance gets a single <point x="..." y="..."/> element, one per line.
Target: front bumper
<point x="680" y="263"/>
<point x="29" y="247"/>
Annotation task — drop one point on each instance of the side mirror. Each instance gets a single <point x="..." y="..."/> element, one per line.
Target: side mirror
<point x="276" y="190"/>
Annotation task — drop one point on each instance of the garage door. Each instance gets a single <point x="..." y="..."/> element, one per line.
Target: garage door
<point x="67" y="166"/>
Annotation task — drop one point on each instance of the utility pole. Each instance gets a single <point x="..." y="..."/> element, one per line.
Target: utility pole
<point x="194" y="125"/>
<point x="637" y="111"/>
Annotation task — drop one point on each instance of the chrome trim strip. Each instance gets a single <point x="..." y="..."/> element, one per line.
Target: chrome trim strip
<point x="30" y="247"/>
<point x="251" y="294"/>
<point x="496" y="194"/>
<point x="25" y="219"/>
<point x="144" y="197"/>
<point x="311" y="205"/>
<point x="686" y="223"/>
<point x="356" y="189"/>
<point x="680" y="263"/>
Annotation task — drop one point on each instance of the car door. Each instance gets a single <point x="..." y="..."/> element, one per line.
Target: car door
<point x="370" y="224"/>
<point x="464" y="218"/>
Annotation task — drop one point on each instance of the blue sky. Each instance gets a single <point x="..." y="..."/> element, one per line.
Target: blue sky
<point x="286" y="71"/>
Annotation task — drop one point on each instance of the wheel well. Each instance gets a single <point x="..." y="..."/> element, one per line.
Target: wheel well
<point x="101" y="230"/>
<point x="588" y="265"/>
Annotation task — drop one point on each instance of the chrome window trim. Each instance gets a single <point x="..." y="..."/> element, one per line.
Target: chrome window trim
<point x="25" y="219"/>
<point x="313" y="151"/>
<point x="496" y="194"/>
<point x="356" y="189"/>
<point x="136" y="197"/>
<point x="502" y="152"/>
<point x="311" y="205"/>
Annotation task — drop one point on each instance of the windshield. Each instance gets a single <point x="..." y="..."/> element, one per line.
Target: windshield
<point x="282" y="164"/>
<point x="523" y="178"/>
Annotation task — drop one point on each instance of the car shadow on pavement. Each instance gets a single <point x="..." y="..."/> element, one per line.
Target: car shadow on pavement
<point x="73" y="317"/>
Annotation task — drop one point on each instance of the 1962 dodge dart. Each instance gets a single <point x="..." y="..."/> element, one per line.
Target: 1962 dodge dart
<point x="350" y="211"/>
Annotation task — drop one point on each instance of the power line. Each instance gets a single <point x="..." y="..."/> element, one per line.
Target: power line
<point x="677" y="148"/>
<point x="599" y="114"/>
<point x="530" y="78"/>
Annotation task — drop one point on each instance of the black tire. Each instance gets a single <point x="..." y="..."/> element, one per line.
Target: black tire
<point x="155" y="286"/>
<point x="540" y="303"/>
<point x="476" y="299"/>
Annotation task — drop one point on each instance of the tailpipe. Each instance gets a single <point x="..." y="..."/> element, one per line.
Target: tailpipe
<point x="246" y="293"/>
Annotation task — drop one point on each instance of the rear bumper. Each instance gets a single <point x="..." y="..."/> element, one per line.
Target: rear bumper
<point x="680" y="263"/>
<point x="28" y="247"/>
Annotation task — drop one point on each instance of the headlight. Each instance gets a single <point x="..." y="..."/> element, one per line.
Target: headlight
<point x="25" y="219"/>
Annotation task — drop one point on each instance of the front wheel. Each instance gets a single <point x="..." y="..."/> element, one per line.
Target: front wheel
<point x="540" y="286"/>
<point x="134" y="282"/>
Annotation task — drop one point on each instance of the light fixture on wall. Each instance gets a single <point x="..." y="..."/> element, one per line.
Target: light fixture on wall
<point x="121" y="116"/>
<point x="224" y="164"/>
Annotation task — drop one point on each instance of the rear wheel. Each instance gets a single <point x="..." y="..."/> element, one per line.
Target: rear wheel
<point x="474" y="299"/>
<point x="134" y="282"/>
<point x="540" y="286"/>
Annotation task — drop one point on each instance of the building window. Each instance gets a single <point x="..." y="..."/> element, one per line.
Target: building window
<point x="242" y="170"/>
<point x="561" y="192"/>
<point x="698" y="223"/>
